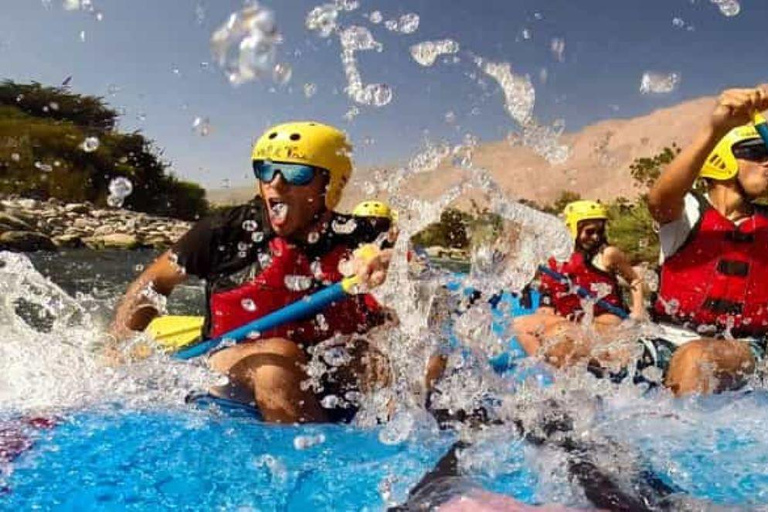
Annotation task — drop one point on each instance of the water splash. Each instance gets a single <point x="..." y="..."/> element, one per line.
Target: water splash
<point x="406" y="24"/>
<point x="51" y="352"/>
<point x="659" y="83"/>
<point x="728" y="8"/>
<point x="354" y="39"/>
<point x="427" y="53"/>
<point x="119" y="189"/>
<point x="244" y="46"/>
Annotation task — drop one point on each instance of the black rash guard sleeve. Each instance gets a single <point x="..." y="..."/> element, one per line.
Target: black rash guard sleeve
<point x="193" y="250"/>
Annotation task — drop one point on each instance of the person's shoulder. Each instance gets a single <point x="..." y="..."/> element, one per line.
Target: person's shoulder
<point x="612" y="254"/>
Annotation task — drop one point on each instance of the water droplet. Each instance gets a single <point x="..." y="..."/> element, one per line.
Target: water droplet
<point x="426" y="53"/>
<point x="659" y="83"/>
<point x="317" y="270"/>
<point x="139" y="268"/>
<point x="82" y="36"/>
<point x="728" y="8"/>
<point x="557" y="46"/>
<point x="114" y="201"/>
<point x="678" y="22"/>
<point x="90" y="144"/>
<point x="375" y="17"/>
<point x="407" y="24"/>
<point x="15" y="157"/>
<point x="310" y="90"/>
<point x="297" y="283"/>
<point x="257" y="236"/>
<point x="244" y="46"/>
<point x="201" y="126"/>
<point x="248" y="304"/>
<point x="242" y="246"/>
<point x="330" y="401"/>
<point x="54" y="106"/>
<point x="250" y="225"/>
<point x="323" y="19"/>
<point x="43" y="167"/>
<point x="281" y="74"/>
<point x="313" y="237"/>
<point x="264" y="259"/>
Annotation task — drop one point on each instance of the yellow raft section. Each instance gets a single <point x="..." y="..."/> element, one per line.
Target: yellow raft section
<point x="173" y="332"/>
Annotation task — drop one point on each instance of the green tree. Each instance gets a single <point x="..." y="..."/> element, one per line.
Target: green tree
<point x="42" y="130"/>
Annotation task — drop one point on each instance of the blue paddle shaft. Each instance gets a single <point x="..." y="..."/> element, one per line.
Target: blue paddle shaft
<point x="762" y="129"/>
<point x="293" y="312"/>
<point x="584" y="293"/>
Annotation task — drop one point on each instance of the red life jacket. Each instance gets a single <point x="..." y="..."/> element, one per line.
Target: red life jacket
<point x="272" y="289"/>
<point x="719" y="277"/>
<point x="580" y="272"/>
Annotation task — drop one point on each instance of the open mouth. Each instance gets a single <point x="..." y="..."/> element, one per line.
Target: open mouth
<point x="278" y="210"/>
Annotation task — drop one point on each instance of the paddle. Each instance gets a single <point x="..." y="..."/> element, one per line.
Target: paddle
<point x="583" y="292"/>
<point x="299" y="310"/>
<point x="173" y="332"/>
<point x="761" y="125"/>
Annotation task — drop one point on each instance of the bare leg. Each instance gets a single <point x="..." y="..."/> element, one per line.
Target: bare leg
<point x="529" y="330"/>
<point x="272" y="369"/>
<point x="708" y="365"/>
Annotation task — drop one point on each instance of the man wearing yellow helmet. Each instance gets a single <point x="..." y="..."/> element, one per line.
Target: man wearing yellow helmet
<point x="261" y="256"/>
<point x="713" y="296"/>
<point x="592" y="269"/>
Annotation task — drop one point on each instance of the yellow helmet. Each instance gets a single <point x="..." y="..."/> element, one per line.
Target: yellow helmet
<point x="374" y="209"/>
<point x="309" y="143"/>
<point x="721" y="165"/>
<point x="578" y="211"/>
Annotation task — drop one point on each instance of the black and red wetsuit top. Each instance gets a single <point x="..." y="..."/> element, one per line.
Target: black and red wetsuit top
<point x="249" y="272"/>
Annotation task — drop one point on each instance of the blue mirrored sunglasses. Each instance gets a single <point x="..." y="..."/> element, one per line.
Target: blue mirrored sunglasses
<point x="293" y="174"/>
<point x="753" y="150"/>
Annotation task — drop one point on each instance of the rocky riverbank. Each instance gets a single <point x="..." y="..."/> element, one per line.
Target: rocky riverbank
<point x="30" y="225"/>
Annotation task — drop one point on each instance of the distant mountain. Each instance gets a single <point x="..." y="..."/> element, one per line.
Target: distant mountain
<point x="598" y="166"/>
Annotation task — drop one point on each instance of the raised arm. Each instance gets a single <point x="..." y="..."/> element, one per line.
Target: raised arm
<point x="618" y="262"/>
<point x="735" y="107"/>
<point x="139" y="306"/>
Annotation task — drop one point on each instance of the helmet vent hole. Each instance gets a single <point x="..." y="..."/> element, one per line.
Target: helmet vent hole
<point x="295" y="136"/>
<point x="273" y="135"/>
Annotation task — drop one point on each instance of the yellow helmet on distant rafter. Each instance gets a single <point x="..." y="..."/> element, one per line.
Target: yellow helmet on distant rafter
<point x="578" y="211"/>
<point x="309" y="143"/>
<point x="721" y="164"/>
<point x="377" y="209"/>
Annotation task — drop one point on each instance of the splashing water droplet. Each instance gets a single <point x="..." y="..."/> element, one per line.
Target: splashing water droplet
<point x="557" y="46"/>
<point x="282" y="73"/>
<point x="250" y="225"/>
<point x="15" y="157"/>
<point x="82" y="36"/>
<point x="323" y="19"/>
<point x="310" y="90"/>
<point x="407" y="24"/>
<point x="297" y="283"/>
<point x="248" y="304"/>
<point x="119" y="189"/>
<point x="257" y="236"/>
<point x="90" y="144"/>
<point x="375" y="17"/>
<point x="728" y="8"/>
<point x="43" y="167"/>
<point x="201" y="126"/>
<point x="659" y="83"/>
<point x="426" y="53"/>
<point x="244" y="46"/>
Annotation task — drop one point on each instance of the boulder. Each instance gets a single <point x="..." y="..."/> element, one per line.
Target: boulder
<point x="25" y="241"/>
<point x="76" y="208"/>
<point x="10" y="223"/>
<point x="113" y="241"/>
<point x="68" y="241"/>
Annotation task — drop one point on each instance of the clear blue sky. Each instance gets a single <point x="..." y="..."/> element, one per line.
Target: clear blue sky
<point x="608" y="46"/>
